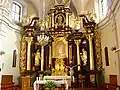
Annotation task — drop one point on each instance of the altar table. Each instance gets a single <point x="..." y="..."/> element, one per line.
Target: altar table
<point x="57" y="77"/>
<point x="66" y="77"/>
<point x="37" y="83"/>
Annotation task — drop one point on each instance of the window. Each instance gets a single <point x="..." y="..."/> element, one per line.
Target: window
<point x="104" y="6"/>
<point x="16" y="11"/>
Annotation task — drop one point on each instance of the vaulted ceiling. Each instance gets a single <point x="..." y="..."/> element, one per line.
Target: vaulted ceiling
<point x="76" y="5"/>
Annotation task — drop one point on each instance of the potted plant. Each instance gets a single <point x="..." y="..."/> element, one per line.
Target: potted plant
<point x="50" y="85"/>
<point x="47" y="73"/>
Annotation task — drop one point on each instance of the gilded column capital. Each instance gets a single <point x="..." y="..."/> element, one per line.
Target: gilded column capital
<point x="88" y="36"/>
<point x="29" y="39"/>
<point x="77" y="42"/>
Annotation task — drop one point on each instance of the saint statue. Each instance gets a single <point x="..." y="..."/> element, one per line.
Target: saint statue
<point x="84" y="56"/>
<point x="60" y="20"/>
<point x="37" y="58"/>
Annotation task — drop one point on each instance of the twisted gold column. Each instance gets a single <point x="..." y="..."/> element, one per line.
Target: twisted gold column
<point x="90" y="36"/>
<point x="29" y="40"/>
<point x="77" y="42"/>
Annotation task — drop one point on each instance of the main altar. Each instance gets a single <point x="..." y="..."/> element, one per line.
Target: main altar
<point x="58" y="43"/>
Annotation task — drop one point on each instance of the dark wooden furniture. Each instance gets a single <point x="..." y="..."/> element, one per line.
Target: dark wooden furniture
<point x="81" y="81"/>
<point x="113" y="79"/>
<point x="7" y="78"/>
<point x="7" y="83"/>
<point x="25" y="83"/>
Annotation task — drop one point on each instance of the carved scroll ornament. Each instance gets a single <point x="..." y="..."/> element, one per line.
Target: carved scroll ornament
<point x="23" y="56"/>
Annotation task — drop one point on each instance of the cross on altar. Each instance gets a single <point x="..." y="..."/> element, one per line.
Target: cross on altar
<point x="71" y="67"/>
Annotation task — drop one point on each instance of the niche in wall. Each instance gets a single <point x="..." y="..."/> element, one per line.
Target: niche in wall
<point x="14" y="58"/>
<point x="106" y="56"/>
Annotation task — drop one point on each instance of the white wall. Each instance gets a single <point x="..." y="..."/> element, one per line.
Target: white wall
<point x="89" y="6"/>
<point x="10" y="38"/>
<point x="110" y="37"/>
<point x="117" y="18"/>
<point x="10" y="42"/>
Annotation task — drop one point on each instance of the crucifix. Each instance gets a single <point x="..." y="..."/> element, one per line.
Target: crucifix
<point x="71" y="67"/>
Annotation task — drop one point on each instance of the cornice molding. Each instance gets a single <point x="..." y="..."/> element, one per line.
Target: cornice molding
<point x="9" y="24"/>
<point x="112" y="12"/>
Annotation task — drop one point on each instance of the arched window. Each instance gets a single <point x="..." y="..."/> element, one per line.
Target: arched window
<point x="16" y="11"/>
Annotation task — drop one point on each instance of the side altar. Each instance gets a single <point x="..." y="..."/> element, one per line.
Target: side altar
<point x="52" y="43"/>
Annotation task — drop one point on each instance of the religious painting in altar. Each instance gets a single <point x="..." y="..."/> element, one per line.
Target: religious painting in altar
<point x="59" y="56"/>
<point x="59" y="20"/>
<point x="60" y="48"/>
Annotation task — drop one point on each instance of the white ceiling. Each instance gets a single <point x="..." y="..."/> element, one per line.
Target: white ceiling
<point x="38" y="4"/>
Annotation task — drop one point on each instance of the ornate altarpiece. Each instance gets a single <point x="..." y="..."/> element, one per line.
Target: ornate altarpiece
<point x="59" y="43"/>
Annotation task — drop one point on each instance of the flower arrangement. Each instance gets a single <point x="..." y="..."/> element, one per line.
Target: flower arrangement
<point x="50" y="84"/>
<point x="1" y="53"/>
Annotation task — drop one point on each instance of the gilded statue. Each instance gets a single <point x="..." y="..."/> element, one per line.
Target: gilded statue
<point x="59" y="68"/>
<point x="60" y="20"/>
<point x="37" y="58"/>
<point x="84" y="56"/>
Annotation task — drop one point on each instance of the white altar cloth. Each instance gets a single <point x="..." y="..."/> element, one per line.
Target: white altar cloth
<point x="59" y="82"/>
<point x="57" y="77"/>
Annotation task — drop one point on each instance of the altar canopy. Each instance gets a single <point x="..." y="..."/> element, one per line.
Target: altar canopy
<point x="57" y="45"/>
